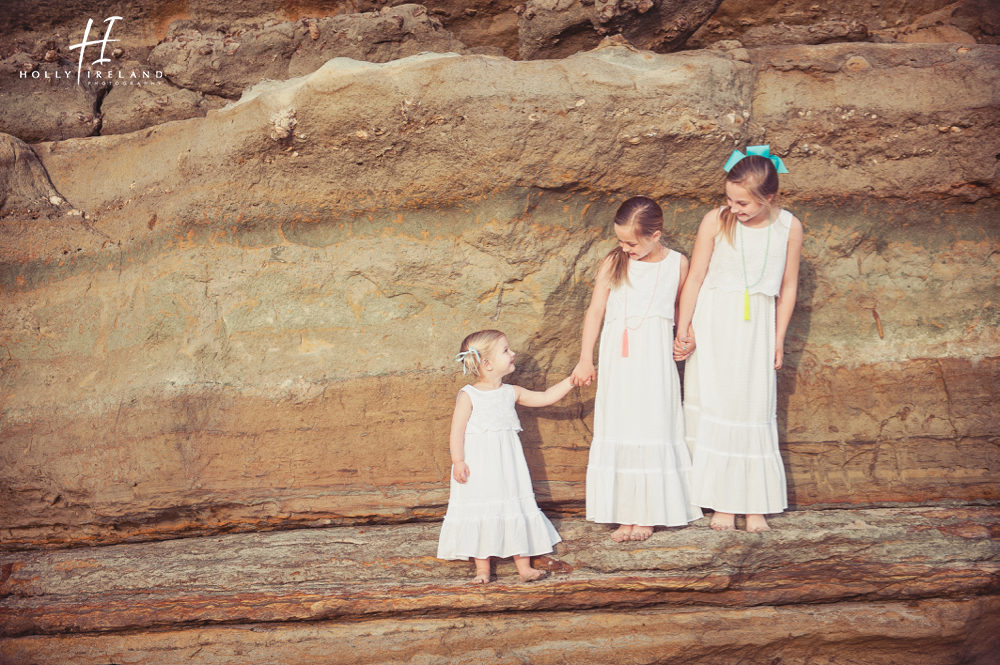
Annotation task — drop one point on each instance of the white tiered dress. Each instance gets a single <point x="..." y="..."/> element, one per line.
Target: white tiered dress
<point x="730" y="385"/>
<point x="494" y="513"/>
<point x="637" y="472"/>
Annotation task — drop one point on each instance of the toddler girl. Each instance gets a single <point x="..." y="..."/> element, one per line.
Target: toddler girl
<point x="492" y="509"/>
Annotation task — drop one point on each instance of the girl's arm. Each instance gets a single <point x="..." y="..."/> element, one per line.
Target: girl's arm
<point x="680" y="284"/>
<point x="789" y="289"/>
<point x="679" y="351"/>
<point x="701" y="255"/>
<point x="555" y="393"/>
<point x="584" y="372"/>
<point x="459" y="419"/>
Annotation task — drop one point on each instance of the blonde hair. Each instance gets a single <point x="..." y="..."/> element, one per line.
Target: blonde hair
<point x="758" y="176"/>
<point x="475" y="348"/>
<point x="647" y="216"/>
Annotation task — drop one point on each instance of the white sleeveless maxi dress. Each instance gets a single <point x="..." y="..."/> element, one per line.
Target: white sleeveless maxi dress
<point x="494" y="513"/>
<point x="730" y="384"/>
<point x="638" y="466"/>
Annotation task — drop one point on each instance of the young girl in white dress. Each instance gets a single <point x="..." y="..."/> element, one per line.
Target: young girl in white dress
<point x="491" y="508"/>
<point x="736" y="306"/>
<point x="637" y="472"/>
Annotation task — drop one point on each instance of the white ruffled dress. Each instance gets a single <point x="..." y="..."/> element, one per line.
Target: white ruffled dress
<point x="730" y="385"/>
<point x="638" y="467"/>
<point x="494" y="513"/>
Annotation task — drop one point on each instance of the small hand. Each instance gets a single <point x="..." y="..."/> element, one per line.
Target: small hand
<point x="460" y="470"/>
<point x="779" y="356"/>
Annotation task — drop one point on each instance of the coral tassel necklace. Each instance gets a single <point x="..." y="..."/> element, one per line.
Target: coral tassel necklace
<point x="649" y="306"/>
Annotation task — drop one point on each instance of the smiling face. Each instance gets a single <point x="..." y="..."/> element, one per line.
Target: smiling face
<point x="501" y="357"/>
<point x="747" y="208"/>
<point x="638" y="247"/>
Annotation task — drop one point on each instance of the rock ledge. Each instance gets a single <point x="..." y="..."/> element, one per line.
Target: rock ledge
<point x="940" y="567"/>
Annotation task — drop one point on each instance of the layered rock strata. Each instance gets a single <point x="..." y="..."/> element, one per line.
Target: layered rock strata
<point x="804" y="22"/>
<point x="200" y="54"/>
<point x="225" y="62"/>
<point x="251" y="326"/>
<point x="872" y="586"/>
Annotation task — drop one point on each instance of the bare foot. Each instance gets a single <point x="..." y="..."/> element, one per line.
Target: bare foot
<point x="482" y="571"/>
<point x="723" y="521"/>
<point x="526" y="572"/>
<point x="533" y="575"/>
<point x="756" y="524"/>
<point x="641" y="532"/>
<point x="622" y="533"/>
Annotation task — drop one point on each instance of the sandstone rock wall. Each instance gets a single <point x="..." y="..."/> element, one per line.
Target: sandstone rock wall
<point x="203" y="53"/>
<point x="252" y="325"/>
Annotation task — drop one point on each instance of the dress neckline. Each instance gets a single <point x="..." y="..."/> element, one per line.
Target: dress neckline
<point x="492" y="390"/>
<point x="653" y="263"/>
<point x="781" y="211"/>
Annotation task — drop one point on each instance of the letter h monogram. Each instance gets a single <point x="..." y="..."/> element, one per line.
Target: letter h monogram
<point x="103" y="42"/>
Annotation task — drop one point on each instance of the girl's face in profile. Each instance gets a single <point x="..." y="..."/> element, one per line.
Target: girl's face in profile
<point x="638" y="248"/>
<point x="502" y="357"/>
<point x="747" y="209"/>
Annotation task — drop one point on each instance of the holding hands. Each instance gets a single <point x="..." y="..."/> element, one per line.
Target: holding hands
<point x="583" y="374"/>
<point x="684" y="345"/>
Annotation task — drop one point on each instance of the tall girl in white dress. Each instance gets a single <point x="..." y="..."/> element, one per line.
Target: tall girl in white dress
<point x="736" y="306"/>
<point x="637" y="472"/>
<point x="491" y="508"/>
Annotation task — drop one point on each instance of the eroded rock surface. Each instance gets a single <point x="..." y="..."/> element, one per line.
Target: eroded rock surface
<point x="224" y="62"/>
<point x="923" y="632"/>
<point x="130" y="109"/>
<point x="25" y="188"/>
<point x="853" y="20"/>
<point x="42" y="101"/>
<point x="211" y="50"/>
<point x="893" y="136"/>
<point x="872" y="585"/>
<point x="557" y="28"/>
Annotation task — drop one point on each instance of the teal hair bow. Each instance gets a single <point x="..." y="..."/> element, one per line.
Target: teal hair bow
<point x="471" y="352"/>
<point x="762" y="150"/>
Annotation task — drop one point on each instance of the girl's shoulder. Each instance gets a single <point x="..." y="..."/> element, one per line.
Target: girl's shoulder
<point x="712" y="221"/>
<point x="788" y="216"/>
<point x="606" y="262"/>
<point x="672" y="255"/>
<point x="680" y="258"/>
<point x="788" y="222"/>
<point x="604" y="269"/>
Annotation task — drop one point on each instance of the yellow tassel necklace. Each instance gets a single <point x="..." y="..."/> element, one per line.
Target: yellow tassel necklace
<point x="743" y="256"/>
